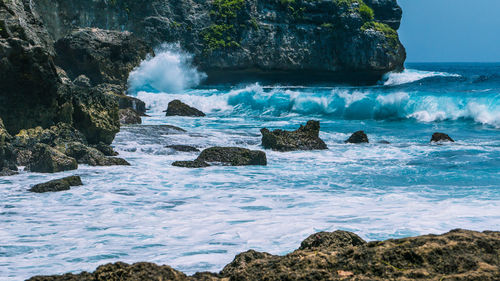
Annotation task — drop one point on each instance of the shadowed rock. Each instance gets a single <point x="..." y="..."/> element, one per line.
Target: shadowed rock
<point x="105" y="149"/>
<point x="440" y="137"/>
<point x="459" y="255"/>
<point x="178" y="108"/>
<point x="358" y="137"/>
<point x="129" y="116"/>
<point x="8" y="165"/>
<point x="91" y="156"/>
<point x="45" y="159"/>
<point x="57" y="185"/>
<point x="183" y="148"/>
<point x="304" y="138"/>
<point x="231" y="156"/>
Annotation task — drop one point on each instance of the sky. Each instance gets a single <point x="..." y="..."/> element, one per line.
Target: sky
<point x="451" y="30"/>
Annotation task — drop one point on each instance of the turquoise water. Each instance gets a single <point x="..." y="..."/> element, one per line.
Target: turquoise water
<point x="198" y="219"/>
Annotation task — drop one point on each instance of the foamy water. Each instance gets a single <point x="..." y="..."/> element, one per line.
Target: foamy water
<point x="199" y="219"/>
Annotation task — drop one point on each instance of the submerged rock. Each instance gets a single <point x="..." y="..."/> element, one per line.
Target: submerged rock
<point x="358" y="137"/>
<point x="232" y="156"/>
<point x="57" y="185"/>
<point x="456" y="255"/>
<point x="304" y="138"/>
<point x="441" y="137"/>
<point x="45" y="159"/>
<point x="183" y="148"/>
<point x="178" y="108"/>
<point x="129" y="116"/>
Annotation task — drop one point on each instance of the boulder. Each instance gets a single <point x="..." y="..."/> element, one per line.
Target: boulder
<point x="183" y="148"/>
<point x="441" y="137"/>
<point x="106" y="149"/>
<point x="57" y="185"/>
<point x="82" y="81"/>
<point x="91" y="156"/>
<point x="231" y="156"/>
<point x="178" y="108"/>
<point x="190" y="164"/>
<point x="331" y="241"/>
<point x="8" y="165"/>
<point x="304" y="138"/>
<point x="104" y="56"/>
<point x="129" y="116"/>
<point x="358" y="137"/>
<point x="46" y="159"/>
<point x="53" y="136"/>
<point x="136" y="104"/>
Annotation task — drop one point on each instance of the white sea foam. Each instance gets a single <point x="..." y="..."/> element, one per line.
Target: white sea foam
<point x="411" y="75"/>
<point x="170" y="71"/>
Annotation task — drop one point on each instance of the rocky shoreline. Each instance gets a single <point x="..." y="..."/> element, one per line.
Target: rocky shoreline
<point x="340" y="255"/>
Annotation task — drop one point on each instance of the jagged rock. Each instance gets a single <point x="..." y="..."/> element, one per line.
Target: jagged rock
<point x="440" y="137"/>
<point x="183" y="148"/>
<point x="8" y="165"/>
<point x="106" y="149"/>
<point x="331" y="241"/>
<point x="82" y="81"/>
<point x="460" y="255"/>
<point x="104" y="56"/>
<point x="130" y="102"/>
<point x="46" y="159"/>
<point x="358" y="137"/>
<point x="191" y="164"/>
<point x="129" y="116"/>
<point x="304" y="138"/>
<point x="178" y="108"/>
<point x="234" y="156"/>
<point x="57" y="185"/>
<point x="91" y="156"/>
<point x="53" y="136"/>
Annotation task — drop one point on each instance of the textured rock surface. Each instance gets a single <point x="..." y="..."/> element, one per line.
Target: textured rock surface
<point x="129" y="116"/>
<point x="441" y="137"/>
<point x="358" y="137"/>
<point x="46" y="159"/>
<point x="191" y="164"/>
<point x="91" y="156"/>
<point x="232" y="156"/>
<point x="239" y="39"/>
<point x="178" y="108"/>
<point x="183" y="148"/>
<point x="57" y="185"/>
<point x="7" y="155"/>
<point x="456" y="255"/>
<point x="304" y="138"/>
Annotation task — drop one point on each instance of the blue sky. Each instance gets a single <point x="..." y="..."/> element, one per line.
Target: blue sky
<point x="451" y="30"/>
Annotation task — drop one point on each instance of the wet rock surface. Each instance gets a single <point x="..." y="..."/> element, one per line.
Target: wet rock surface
<point x="441" y="137"/>
<point x="358" y="137"/>
<point x="304" y="138"/>
<point x="183" y="148"/>
<point x="456" y="255"/>
<point x="178" y="108"/>
<point x="57" y="185"/>
<point x="231" y="156"/>
<point x="91" y="156"/>
<point x="8" y="157"/>
<point x="45" y="159"/>
<point x="129" y="116"/>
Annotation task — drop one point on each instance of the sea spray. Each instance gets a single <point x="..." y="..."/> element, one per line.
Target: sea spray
<point x="169" y="71"/>
<point x="412" y="75"/>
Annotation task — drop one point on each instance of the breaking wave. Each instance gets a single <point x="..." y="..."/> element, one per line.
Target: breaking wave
<point x="411" y="75"/>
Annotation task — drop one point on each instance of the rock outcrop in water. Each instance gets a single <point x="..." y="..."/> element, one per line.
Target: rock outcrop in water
<point x="441" y="137"/>
<point x="57" y="185"/>
<point x="340" y="255"/>
<point x="178" y="108"/>
<point x="230" y="156"/>
<point x="129" y="116"/>
<point x="304" y="138"/>
<point x="353" y="40"/>
<point x="8" y="165"/>
<point x="358" y="137"/>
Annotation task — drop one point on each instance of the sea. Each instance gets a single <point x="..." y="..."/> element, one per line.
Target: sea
<point x="199" y="219"/>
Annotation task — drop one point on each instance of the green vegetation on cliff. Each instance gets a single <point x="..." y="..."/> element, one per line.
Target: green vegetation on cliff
<point x="223" y="32"/>
<point x="390" y="34"/>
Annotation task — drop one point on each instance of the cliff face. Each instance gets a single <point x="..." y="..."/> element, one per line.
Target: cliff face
<point x="334" y="39"/>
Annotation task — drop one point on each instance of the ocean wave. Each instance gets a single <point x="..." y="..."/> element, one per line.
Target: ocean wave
<point x="412" y="75"/>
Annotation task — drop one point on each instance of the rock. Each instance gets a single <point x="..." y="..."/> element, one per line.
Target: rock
<point x="304" y="138"/>
<point x="46" y="159"/>
<point x="183" y="148"/>
<point x="130" y="102"/>
<point x="457" y="255"/>
<point x="384" y="142"/>
<point x="358" y="137"/>
<point x="343" y="41"/>
<point x="8" y="165"/>
<point x="440" y="137"/>
<point x="234" y="156"/>
<point x="57" y="185"/>
<point x="104" y="56"/>
<point x="178" y="108"/>
<point x="53" y="136"/>
<point x="191" y="164"/>
<point x="82" y="81"/>
<point x="91" y="156"/>
<point x="129" y="116"/>
<point x="331" y="241"/>
<point x="106" y="149"/>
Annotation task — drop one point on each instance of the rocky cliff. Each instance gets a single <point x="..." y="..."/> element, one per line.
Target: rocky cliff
<point x="332" y="40"/>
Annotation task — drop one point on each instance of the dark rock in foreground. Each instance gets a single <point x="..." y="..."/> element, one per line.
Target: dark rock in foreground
<point x="178" y="108"/>
<point x="231" y="156"/>
<point x="57" y="185"/>
<point x="183" y="148"/>
<point x="340" y="255"/>
<point x="8" y="165"/>
<point x="440" y="137"/>
<point x="304" y="138"/>
<point x="129" y="116"/>
<point x="358" y="137"/>
<point x="45" y="159"/>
